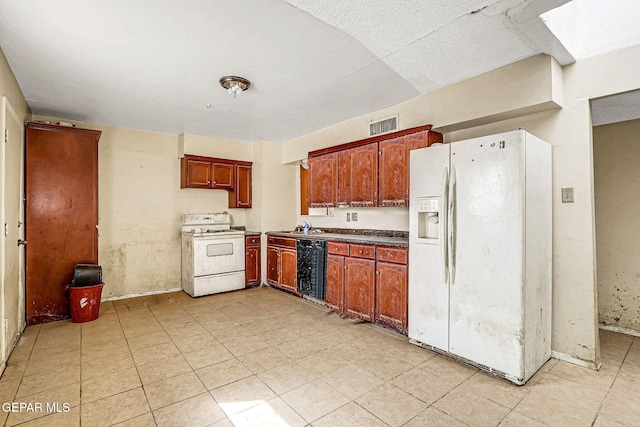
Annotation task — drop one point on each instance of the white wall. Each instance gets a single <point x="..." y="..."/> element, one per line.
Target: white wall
<point x="616" y="152"/>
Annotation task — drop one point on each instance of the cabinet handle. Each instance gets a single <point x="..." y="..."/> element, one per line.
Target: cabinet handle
<point x="208" y="182"/>
<point x="377" y="272"/>
<point x="360" y="250"/>
<point x="345" y="267"/>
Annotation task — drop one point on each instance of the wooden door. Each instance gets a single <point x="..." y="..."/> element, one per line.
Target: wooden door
<point x="195" y="173"/>
<point x="363" y="172"/>
<point x="359" y="288"/>
<point x="273" y="267"/>
<point x="391" y="295"/>
<point x="240" y="196"/>
<point x="288" y="269"/>
<point x="61" y="214"/>
<point x="323" y="180"/>
<point x="222" y="174"/>
<point x="334" y="298"/>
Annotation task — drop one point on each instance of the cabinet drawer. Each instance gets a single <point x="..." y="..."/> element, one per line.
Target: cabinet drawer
<point x="337" y="248"/>
<point x="252" y="241"/>
<point x="395" y="255"/>
<point x="363" y="251"/>
<point x="281" y="241"/>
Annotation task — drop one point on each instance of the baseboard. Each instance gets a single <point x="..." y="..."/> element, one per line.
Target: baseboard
<point x="575" y="360"/>
<point x="620" y="330"/>
<point x="141" y="294"/>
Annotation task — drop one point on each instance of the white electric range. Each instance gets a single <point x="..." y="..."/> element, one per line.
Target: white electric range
<point x="212" y="254"/>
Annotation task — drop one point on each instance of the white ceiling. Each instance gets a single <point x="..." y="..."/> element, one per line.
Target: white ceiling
<point x="154" y="64"/>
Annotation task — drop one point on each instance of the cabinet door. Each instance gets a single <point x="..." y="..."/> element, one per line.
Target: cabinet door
<point x="195" y="173"/>
<point x="359" y="288"/>
<point x="344" y="178"/>
<point x="252" y="265"/>
<point x="363" y="174"/>
<point x="391" y="295"/>
<point x="222" y="176"/>
<point x="323" y="180"/>
<point x="240" y="196"/>
<point x="335" y="283"/>
<point x="288" y="269"/>
<point x="273" y="267"/>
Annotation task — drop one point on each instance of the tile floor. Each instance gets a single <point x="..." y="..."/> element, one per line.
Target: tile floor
<point x="261" y="357"/>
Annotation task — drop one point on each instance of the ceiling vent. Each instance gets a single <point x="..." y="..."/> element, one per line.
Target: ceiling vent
<point x="383" y="126"/>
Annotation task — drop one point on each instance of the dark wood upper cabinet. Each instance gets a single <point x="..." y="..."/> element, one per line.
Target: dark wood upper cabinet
<point x="323" y="180"/>
<point x="369" y="172"/>
<point x="240" y="196"/>
<point x="195" y="173"/>
<point x="223" y="174"/>
<point x="61" y="214"/>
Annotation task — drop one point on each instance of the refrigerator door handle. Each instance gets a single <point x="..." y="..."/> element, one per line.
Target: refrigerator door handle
<point x="451" y="225"/>
<point x="443" y="224"/>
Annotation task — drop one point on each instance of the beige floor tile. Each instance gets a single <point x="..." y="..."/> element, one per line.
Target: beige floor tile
<point x="553" y="412"/>
<point x="99" y="367"/>
<point x="286" y="377"/>
<point x="614" y="352"/>
<point x="66" y="419"/>
<point x="200" y="410"/>
<point x="92" y="340"/>
<point x="260" y="326"/>
<point x="351" y="350"/>
<point x="410" y="353"/>
<point x="230" y="333"/>
<point x="41" y="349"/>
<point x="48" y="380"/>
<point x="495" y="389"/>
<point x="263" y="360"/>
<point x="155" y="353"/>
<point x="51" y="401"/>
<point x="110" y="384"/>
<point x="323" y="362"/>
<point x="196" y="342"/>
<point x="603" y="421"/>
<point x="314" y="400"/>
<point x="352" y="381"/>
<point x="163" y="369"/>
<point x="223" y="373"/>
<point x="148" y="340"/>
<point x="471" y="409"/>
<point x="382" y="365"/>
<point x="8" y="389"/>
<point x="329" y="338"/>
<point x="623" y="402"/>
<point x="431" y="417"/>
<point x="241" y="395"/>
<point x="278" y="336"/>
<point x="54" y="361"/>
<point x="423" y="385"/>
<point x="588" y="398"/>
<point x="142" y="328"/>
<point x="392" y="405"/>
<point x="349" y="415"/>
<point x="172" y="390"/>
<point x="208" y="356"/>
<point x="274" y="412"/>
<point x="516" y="419"/>
<point x="245" y="345"/>
<point x="299" y="348"/>
<point x="448" y="369"/>
<point x="103" y="350"/>
<point x="14" y="371"/>
<point x="581" y="375"/>
<point x="187" y="329"/>
<point x="630" y="371"/>
<point x="145" y="420"/>
<point x="114" y="409"/>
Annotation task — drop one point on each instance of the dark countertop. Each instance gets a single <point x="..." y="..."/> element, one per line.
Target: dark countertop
<point x="252" y="233"/>
<point x="368" y="238"/>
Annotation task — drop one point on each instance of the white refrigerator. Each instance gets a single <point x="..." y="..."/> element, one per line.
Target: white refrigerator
<point x="480" y="252"/>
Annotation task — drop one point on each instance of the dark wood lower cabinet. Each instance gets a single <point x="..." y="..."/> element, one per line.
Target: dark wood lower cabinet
<point x="335" y="283"/>
<point x="282" y="264"/>
<point x="252" y="261"/>
<point x="391" y="295"/>
<point x="359" y="287"/>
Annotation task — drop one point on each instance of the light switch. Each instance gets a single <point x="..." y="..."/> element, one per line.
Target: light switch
<point x="354" y="216"/>
<point x="567" y="195"/>
<point x="348" y="216"/>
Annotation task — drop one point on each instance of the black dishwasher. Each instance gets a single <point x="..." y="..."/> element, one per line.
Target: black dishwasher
<point x="312" y="267"/>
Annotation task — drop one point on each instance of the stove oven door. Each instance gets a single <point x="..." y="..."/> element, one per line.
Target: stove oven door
<point x="218" y="265"/>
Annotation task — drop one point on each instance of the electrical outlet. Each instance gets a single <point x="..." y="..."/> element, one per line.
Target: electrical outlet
<point x="354" y="216"/>
<point x="348" y="217"/>
<point x="567" y="195"/>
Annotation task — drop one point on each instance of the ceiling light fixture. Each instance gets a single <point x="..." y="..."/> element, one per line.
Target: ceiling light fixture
<point x="235" y="85"/>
